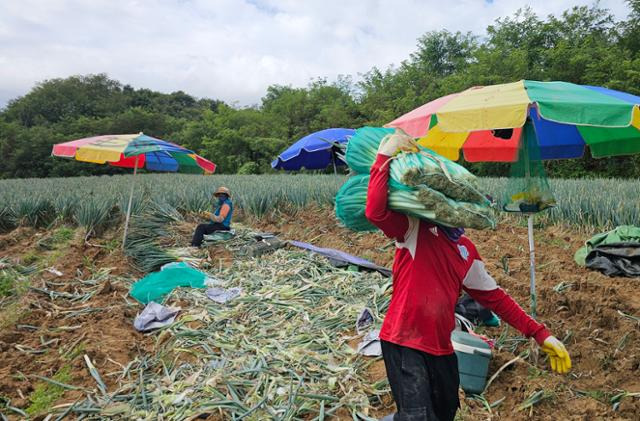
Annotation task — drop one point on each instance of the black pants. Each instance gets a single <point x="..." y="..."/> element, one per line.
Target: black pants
<point x="424" y="386"/>
<point x="206" y="229"/>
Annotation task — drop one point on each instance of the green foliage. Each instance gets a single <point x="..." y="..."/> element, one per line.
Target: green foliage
<point x="584" y="44"/>
<point x="145" y="231"/>
<point x="93" y="213"/>
<point x="30" y="258"/>
<point x="249" y="168"/>
<point x="35" y="211"/>
<point x="57" y="239"/>
<point x="7" y="218"/>
<point x="580" y="202"/>
<point x="14" y="278"/>
<point x="7" y="285"/>
<point x="62" y="235"/>
<point x="46" y="394"/>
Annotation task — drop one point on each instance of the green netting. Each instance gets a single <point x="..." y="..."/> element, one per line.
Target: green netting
<point x="454" y="213"/>
<point x="528" y="189"/>
<point x="350" y="203"/>
<point x="363" y="147"/>
<point x="421" y="202"/>
<point x="155" y="286"/>
<point x="427" y="168"/>
<point x="423" y="184"/>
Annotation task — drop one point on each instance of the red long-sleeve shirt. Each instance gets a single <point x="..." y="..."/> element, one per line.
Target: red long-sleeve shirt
<point x="429" y="272"/>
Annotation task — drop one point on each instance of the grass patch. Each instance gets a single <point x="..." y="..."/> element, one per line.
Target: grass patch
<point x="75" y="352"/>
<point x="558" y="242"/>
<point x="11" y="313"/>
<point x="56" y="239"/>
<point x="12" y="284"/>
<point x="30" y="258"/>
<point x="62" y="235"/>
<point x="46" y="394"/>
<point x="534" y="372"/>
<point x="113" y="244"/>
<point x="7" y="285"/>
<point x="598" y="395"/>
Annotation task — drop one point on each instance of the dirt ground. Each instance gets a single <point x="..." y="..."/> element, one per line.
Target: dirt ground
<point x="41" y="335"/>
<point x="604" y="345"/>
<point x="587" y="311"/>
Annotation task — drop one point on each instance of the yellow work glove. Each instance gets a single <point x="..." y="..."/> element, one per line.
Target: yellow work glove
<point x="558" y="355"/>
<point x="399" y="141"/>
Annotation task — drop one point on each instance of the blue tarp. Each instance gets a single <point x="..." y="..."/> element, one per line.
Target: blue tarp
<point x="342" y="257"/>
<point x="312" y="152"/>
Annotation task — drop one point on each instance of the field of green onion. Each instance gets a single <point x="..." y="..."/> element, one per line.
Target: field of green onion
<point x="92" y="202"/>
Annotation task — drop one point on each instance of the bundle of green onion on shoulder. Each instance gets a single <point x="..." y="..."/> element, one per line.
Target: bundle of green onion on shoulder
<point x="422" y="184"/>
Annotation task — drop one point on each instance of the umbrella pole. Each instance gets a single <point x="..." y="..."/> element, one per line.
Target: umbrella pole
<point x="532" y="267"/>
<point x="126" y="221"/>
<point x="532" y="254"/>
<point x="333" y="160"/>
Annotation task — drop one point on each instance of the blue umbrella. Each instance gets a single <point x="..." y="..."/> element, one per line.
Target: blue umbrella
<point x="313" y="152"/>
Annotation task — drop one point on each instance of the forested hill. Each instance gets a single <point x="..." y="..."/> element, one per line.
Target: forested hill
<point x="584" y="45"/>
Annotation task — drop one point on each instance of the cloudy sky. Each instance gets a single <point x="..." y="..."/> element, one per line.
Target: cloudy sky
<point x="228" y="49"/>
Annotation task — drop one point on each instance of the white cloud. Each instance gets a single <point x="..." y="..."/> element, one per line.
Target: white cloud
<point x="228" y="49"/>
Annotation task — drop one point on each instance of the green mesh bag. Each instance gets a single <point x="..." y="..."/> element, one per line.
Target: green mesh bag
<point x="422" y="184"/>
<point x="528" y="189"/>
<point x="421" y="202"/>
<point x="454" y="213"/>
<point x="351" y="201"/>
<point x="157" y="285"/>
<point x="427" y="168"/>
<point x="362" y="148"/>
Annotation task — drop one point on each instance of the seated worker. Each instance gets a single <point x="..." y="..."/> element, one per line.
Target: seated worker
<point x="220" y="218"/>
<point x="432" y="265"/>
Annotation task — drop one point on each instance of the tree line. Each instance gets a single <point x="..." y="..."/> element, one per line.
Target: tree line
<point x="584" y="45"/>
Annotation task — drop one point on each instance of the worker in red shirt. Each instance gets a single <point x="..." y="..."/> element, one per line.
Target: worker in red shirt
<point x="432" y="264"/>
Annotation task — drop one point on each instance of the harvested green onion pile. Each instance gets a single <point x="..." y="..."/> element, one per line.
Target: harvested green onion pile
<point x="423" y="184"/>
<point x="278" y="351"/>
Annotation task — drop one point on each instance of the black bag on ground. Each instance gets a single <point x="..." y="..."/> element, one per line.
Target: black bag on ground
<point x="470" y="309"/>
<point x="615" y="259"/>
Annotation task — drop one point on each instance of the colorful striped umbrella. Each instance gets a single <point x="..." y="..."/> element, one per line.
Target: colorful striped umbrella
<point x="565" y="117"/>
<point x="134" y="151"/>
<point x="490" y="123"/>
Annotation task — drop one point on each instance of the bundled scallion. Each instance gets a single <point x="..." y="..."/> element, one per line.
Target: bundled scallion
<point x="422" y="184"/>
<point x="352" y="198"/>
<point x="363" y="148"/>
<point x="350" y="203"/>
<point x="426" y="168"/>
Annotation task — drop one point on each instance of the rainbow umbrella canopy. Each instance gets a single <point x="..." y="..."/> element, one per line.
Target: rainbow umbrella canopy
<point x="563" y="118"/>
<point x="492" y="123"/>
<point x="134" y="151"/>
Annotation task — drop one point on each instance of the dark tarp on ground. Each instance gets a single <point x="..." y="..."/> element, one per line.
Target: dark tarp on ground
<point x="620" y="234"/>
<point x="615" y="259"/>
<point x="340" y="258"/>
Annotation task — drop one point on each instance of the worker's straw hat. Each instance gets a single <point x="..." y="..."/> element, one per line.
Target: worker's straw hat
<point x="222" y="190"/>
